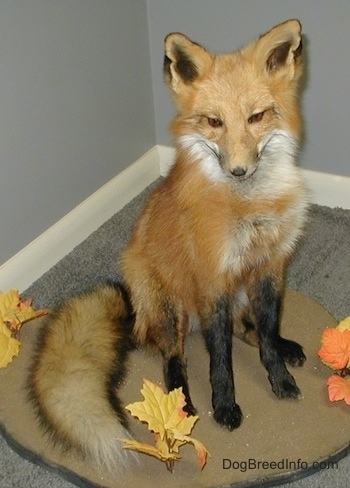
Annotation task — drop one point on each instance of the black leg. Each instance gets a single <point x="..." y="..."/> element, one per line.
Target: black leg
<point x="274" y="349"/>
<point x="167" y="332"/>
<point x="217" y="331"/>
<point x="175" y="377"/>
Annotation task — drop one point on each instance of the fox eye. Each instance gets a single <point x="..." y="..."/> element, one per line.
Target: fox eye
<point x="255" y="118"/>
<point x="215" y="122"/>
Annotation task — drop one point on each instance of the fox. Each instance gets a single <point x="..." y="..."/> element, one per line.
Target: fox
<point x="211" y="248"/>
<point x="213" y="243"/>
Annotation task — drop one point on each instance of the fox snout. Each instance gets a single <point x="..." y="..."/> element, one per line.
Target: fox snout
<point x="240" y="158"/>
<point x="216" y="161"/>
<point x="239" y="169"/>
<point x="243" y="172"/>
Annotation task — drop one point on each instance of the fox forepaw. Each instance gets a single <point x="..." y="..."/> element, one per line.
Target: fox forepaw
<point x="292" y="352"/>
<point x="228" y="415"/>
<point x="287" y="388"/>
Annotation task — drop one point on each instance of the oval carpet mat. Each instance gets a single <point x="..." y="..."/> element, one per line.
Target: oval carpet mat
<point x="278" y="440"/>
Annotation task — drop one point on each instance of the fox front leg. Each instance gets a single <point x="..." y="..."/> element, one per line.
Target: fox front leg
<point x="217" y="331"/>
<point x="274" y="350"/>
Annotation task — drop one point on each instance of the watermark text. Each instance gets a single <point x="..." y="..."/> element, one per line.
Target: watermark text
<point x="282" y="464"/>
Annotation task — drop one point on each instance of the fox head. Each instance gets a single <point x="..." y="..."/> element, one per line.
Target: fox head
<point x="235" y="103"/>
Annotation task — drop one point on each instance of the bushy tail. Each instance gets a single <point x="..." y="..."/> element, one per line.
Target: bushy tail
<point x="79" y="362"/>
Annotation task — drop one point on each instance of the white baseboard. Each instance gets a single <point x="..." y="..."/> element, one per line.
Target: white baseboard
<point x="46" y="250"/>
<point x="328" y="189"/>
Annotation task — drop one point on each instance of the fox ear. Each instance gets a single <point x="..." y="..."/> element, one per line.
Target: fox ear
<point x="280" y="50"/>
<point x="184" y="61"/>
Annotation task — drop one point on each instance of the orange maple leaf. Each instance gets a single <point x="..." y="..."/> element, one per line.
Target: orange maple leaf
<point x="339" y="388"/>
<point x="335" y="350"/>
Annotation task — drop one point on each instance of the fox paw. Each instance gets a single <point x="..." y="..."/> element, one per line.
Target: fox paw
<point x="292" y="352"/>
<point x="229" y="416"/>
<point x="287" y="388"/>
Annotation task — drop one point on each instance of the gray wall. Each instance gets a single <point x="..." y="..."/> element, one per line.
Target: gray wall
<point x="224" y="25"/>
<point x="75" y="106"/>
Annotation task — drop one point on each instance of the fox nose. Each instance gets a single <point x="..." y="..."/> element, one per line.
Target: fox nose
<point x="238" y="171"/>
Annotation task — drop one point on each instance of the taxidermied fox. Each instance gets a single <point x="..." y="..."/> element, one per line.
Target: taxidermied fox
<point x="215" y="237"/>
<point x="211" y="245"/>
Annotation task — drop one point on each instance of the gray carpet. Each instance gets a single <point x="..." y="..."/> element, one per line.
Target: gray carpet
<point x="320" y="269"/>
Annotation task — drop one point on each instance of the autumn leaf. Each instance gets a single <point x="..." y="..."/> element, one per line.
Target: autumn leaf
<point x="8" y="301"/>
<point x="158" y="409"/>
<point x="9" y="347"/>
<point x="201" y="450"/>
<point x="344" y="324"/>
<point x="16" y="312"/>
<point x="335" y="350"/>
<point x="149" y="449"/>
<point x="339" y="388"/>
<point x="165" y="417"/>
<point x="13" y="314"/>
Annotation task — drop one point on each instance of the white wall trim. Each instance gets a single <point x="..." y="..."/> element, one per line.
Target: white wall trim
<point x="328" y="189"/>
<point x="47" y="249"/>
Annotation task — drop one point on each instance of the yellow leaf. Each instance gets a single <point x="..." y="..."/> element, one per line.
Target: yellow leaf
<point x="172" y="442"/>
<point x="165" y="416"/>
<point x="184" y="424"/>
<point x="8" y="301"/>
<point x="344" y="324"/>
<point x="15" y="312"/>
<point x="148" y="449"/>
<point x="202" y="452"/>
<point x="9" y="347"/>
<point x="161" y="411"/>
